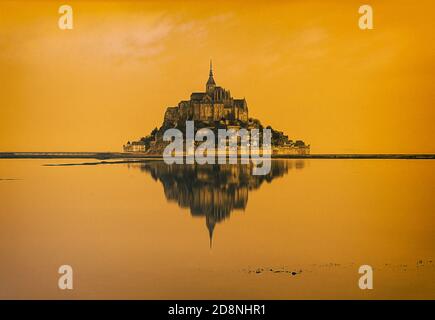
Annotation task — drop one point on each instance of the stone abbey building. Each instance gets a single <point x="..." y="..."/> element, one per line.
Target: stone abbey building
<point x="215" y="104"/>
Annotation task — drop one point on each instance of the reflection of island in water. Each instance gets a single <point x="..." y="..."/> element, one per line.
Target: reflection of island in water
<point x="212" y="191"/>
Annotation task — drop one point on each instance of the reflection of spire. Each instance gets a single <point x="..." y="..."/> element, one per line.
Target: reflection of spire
<point x="210" y="222"/>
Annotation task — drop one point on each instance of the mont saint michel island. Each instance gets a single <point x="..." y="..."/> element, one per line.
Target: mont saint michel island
<point x="215" y="109"/>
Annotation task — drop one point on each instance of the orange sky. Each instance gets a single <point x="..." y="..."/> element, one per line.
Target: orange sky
<point x="304" y="67"/>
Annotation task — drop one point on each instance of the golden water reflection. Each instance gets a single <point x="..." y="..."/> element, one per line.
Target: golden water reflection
<point x="212" y="191"/>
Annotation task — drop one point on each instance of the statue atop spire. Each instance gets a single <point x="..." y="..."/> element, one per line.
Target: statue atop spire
<point x="210" y="83"/>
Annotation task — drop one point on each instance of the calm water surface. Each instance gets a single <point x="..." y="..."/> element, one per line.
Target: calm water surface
<point x="148" y="230"/>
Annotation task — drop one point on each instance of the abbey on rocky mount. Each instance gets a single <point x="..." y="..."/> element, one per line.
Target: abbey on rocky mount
<point x="214" y="109"/>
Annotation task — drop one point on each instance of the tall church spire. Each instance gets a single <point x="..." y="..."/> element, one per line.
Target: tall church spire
<point x="211" y="69"/>
<point x="209" y="87"/>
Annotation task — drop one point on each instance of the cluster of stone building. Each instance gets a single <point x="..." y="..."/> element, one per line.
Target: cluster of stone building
<point x="135" y="146"/>
<point x="213" y="107"/>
